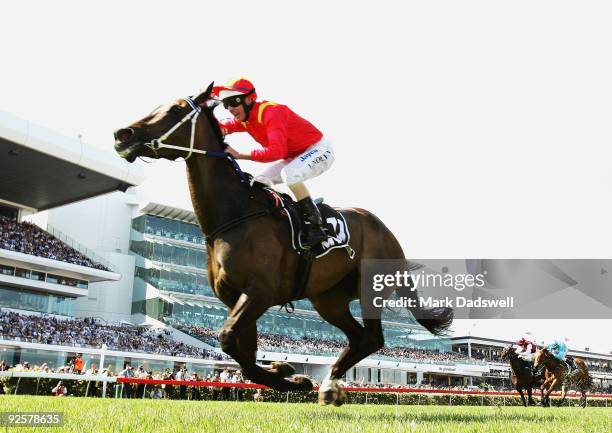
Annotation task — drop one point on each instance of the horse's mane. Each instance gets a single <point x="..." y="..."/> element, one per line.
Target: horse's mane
<point x="214" y="123"/>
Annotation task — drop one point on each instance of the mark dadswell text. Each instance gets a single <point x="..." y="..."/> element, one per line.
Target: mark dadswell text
<point x="431" y="302"/>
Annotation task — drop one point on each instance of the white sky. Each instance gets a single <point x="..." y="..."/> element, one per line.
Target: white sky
<point x="472" y="128"/>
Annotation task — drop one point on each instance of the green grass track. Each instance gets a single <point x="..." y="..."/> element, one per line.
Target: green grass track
<point x="159" y="416"/>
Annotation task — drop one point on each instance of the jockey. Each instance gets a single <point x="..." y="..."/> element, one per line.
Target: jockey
<point x="297" y="148"/>
<point x="559" y="351"/>
<point x="526" y="349"/>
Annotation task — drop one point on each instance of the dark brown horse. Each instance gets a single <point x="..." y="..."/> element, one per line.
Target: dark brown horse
<point x="251" y="266"/>
<point x="523" y="377"/>
<point x="558" y="374"/>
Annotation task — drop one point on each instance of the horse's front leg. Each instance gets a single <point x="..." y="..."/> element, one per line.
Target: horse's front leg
<point x="530" y="401"/>
<point x="520" y="391"/>
<point x="548" y="391"/>
<point x="238" y="338"/>
<point x="547" y="379"/>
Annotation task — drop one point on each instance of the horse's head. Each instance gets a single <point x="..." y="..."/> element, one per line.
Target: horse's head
<point x="507" y="351"/>
<point x="540" y="356"/>
<point x="167" y="132"/>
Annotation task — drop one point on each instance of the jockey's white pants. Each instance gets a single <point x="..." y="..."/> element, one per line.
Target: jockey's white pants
<point x="311" y="163"/>
<point x="526" y="356"/>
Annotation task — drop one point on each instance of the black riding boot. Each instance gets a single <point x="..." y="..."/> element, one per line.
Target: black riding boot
<point x="314" y="232"/>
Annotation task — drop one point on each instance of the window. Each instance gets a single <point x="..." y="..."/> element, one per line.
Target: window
<point x="23" y="273"/>
<point x="38" y="276"/>
<point x="7" y="270"/>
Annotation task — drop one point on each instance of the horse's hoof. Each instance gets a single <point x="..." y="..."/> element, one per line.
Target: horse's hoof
<point x="341" y="398"/>
<point x="327" y="397"/>
<point x="337" y="397"/>
<point x="305" y="383"/>
<point x="284" y="369"/>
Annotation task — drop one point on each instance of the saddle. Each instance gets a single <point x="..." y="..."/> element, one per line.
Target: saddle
<point x="336" y="228"/>
<point x="570" y="364"/>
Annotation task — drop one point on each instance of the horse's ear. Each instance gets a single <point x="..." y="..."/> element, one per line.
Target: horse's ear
<point x="204" y="96"/>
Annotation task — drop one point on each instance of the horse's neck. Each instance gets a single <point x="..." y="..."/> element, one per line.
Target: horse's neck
<point x="552" y="363"/>
<point x="516" y="362"/>
<point x="217" y="194"/>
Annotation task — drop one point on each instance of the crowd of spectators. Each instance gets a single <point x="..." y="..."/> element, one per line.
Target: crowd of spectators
<point x="28" y="238"/>
<point x="315" y="345"/>
<point x="87" y="332"/>
<point x="204" y="334"/>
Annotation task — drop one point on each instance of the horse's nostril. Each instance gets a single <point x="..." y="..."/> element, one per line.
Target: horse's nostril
<point x="124" y="134"/>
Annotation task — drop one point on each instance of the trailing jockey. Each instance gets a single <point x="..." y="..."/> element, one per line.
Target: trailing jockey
<point x="297" y="148"/>
<point x="559" y="351"/>
<point x="526" y="350"/>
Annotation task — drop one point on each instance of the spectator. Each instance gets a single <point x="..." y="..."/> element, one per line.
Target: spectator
<point x="28" y="238"/>
<point x="194" y="391"/>
<point x="127" y="387"/>
<point x="182" y="375"/>
<point x="225" y="377"/>
<point x="60" y="390"/>
<point x="78" y="364"/>
<point x="43" y="329"/>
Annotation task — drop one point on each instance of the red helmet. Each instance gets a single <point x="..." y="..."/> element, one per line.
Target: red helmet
<point x="238" y="87"/>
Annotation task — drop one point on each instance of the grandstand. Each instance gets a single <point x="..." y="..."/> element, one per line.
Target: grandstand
<point x="117" y="279"/>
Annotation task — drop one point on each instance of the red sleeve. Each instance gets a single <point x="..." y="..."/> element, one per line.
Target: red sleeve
<point x="275" y="122"/>
<point x="232" y="125"/>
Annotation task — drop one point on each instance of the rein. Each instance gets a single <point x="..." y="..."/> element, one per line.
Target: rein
<point x="158" y="143"/>
<point x="192" y="116"/>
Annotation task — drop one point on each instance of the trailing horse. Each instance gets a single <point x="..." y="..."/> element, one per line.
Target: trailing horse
<point x="558" y="374"/>
<point x="523" y="377"/>
<point x="251" y="265"/>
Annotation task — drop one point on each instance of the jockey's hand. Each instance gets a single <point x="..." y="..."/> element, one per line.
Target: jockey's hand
<point x="237" y="155"/>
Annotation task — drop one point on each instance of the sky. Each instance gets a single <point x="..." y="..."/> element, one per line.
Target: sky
<point x="473" y="129"/>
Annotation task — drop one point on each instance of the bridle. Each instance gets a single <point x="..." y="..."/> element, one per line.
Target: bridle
<point x="158" y="143"/>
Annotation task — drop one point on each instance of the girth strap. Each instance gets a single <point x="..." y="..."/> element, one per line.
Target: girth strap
<point x="302" y="276"/>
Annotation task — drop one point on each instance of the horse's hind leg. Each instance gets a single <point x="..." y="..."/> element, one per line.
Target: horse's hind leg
<point x="563" y="393"/>
<point x="238" y="338"/>
<point x="333" y="306"/>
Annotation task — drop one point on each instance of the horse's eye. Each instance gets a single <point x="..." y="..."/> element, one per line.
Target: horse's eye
<point x="176" y="109"/>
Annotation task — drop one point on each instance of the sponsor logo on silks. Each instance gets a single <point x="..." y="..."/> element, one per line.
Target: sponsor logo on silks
<point x="319" y="159"/>
<point x="305" y="157"/>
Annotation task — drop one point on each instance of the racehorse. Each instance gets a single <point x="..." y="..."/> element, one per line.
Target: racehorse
<point x="251" y="265"/>
<point x="558" y="374"/>
<point x="522" y="375"/>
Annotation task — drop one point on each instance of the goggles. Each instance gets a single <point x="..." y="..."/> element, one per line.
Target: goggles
<point x="232" y="101"/>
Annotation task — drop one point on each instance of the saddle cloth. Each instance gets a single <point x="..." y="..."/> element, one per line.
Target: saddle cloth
<point x="333" y="221"/>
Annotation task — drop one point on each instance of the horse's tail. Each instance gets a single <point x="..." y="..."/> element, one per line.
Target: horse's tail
<point x="586" y="379"/>
<point x="386" y="246"/>
<point x="435" y="320"/>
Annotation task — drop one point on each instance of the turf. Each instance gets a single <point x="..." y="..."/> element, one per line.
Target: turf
<point x="110" y="415"/>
